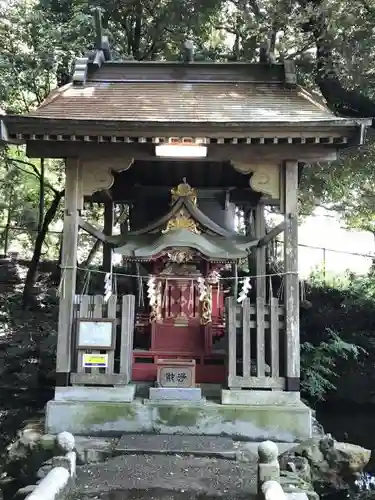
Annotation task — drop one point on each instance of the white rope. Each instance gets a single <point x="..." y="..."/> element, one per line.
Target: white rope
<point x="146" y="277"/>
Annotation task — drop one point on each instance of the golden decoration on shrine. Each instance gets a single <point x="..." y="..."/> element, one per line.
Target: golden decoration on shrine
<point x="206" y="307"/>
<point x="184" y="190"/>
<point x="180" y="256"/>
<point x="181" y="220"/>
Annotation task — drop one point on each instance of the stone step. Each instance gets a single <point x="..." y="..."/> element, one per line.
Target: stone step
<point x="99" y="449"/>
<point x="162" y="444"/>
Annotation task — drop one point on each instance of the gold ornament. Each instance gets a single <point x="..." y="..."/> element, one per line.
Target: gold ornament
<point x="184" y="190"/>
<point x="181" y="220"/>
<point x="206" y="307"/>
<point x="180" y="256"/>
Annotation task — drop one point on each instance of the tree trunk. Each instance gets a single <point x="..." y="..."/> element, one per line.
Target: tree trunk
<point x="31" y="273"/>
<point x="56" y="274"/>
<point x="92" y="253"/>
<point x="137" y="37"/>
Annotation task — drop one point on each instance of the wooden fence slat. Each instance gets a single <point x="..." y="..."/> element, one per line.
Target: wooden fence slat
<point x="89" y="306"/>
<point x="97" y="312"/>
<point x="246" y="344"/>
<point x="240" y="324"/>
<point x="111" y="313"/>
<point x="253" y="324"/>
<point x="260" y="359"/>
<point x="84" y="312"/>
<point x="231" y="309"/>
<point x="76" y="304"/>
<point x="274" y="327"/>
<point x="127" y="334"/>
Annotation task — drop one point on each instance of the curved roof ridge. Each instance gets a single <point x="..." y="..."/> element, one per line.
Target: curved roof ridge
<point x="159" y="222"/>
<point x="201" y="218"/>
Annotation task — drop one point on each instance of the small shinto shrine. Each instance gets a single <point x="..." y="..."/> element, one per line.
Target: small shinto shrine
<point x="175" y="341"/>
<point x="184" y="253"/>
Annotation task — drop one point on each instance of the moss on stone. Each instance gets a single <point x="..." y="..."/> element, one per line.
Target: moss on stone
<point x="48" y="442"/>
<point x="284" y="423"/>
<point x="262" y="418"/>
<point x="178" y="416"/>
<point x="99" y="413"/>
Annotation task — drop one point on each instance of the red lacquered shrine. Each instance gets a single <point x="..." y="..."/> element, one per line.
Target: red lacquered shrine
<point x="181" y="312"/>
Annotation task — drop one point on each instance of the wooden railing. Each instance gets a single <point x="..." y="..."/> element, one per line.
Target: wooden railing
<point x="122" y="311"/>
<point x="254" y="344"/>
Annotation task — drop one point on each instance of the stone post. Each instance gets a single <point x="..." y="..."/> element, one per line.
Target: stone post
<point x="65" y="443"/>
<point x="268" y="465"/>
<point x="272" y="490"/>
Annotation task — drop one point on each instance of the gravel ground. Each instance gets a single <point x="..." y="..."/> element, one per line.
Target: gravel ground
<point x="158" y="477"/>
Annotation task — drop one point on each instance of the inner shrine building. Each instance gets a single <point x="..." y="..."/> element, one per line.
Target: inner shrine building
<point x="197" y="330"/>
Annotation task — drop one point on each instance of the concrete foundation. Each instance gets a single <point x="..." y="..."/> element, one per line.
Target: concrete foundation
<point x="121" y="394"/>
<point x="286" y="423"/>
<point x="247" y="397"/>
<point x="175" y="394"/>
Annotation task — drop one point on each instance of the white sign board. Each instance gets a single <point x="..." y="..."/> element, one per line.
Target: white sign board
<point x="95" y="334"/>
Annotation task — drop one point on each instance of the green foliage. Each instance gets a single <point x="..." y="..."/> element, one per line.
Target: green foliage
<point x="346" y="185"/>
<point x="20" y="185"/>
<point x="319" y="362"/>
<point x="337" y="337"/>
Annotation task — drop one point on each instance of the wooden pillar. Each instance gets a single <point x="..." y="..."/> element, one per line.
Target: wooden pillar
<point x="291" y="276"/>
<point x="73" y="204"/>
<point x="260" y="253"/>
<point x="260" y="266"/>
<point x="108" y="228"/>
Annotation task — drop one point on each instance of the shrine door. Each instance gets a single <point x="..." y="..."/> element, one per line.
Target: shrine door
<point x="179" y="330"/>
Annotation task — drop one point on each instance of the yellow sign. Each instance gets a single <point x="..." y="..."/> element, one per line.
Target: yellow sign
<point x="95" y="360"/>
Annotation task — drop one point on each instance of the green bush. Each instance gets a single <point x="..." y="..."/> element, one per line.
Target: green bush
<point x="337" y="331"/>
<point x="318" y="364"/>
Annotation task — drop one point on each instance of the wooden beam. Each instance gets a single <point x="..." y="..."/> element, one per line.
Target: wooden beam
<point x="291" y="275"/>
<point x="271" y="235"/>
<point x="260" y="253"/>
<point x="108" y="228"/>
<point x="73" y="202"/>
<point x="269" y="152"/>
<point x="96" y="233"/>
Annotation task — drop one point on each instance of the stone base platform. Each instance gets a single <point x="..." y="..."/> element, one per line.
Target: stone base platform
<point x="285" y="422"/>
<point x="258" y="398"/>
<point x="121" y="394"/>
<point x="175" y="394"/>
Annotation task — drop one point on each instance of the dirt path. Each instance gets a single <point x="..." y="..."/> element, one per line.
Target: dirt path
<point x="165" y="477"/>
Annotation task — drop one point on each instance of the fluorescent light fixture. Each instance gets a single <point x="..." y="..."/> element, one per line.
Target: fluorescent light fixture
<point x="180" y="151"/>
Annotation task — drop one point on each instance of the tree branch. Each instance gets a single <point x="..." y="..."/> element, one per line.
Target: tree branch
<point x="299" y="52"/>
<point x="349" y="103"/>
<point x="35" y="172"/>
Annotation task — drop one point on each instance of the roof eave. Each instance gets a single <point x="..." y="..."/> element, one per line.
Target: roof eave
<point x="11" y="121"/>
